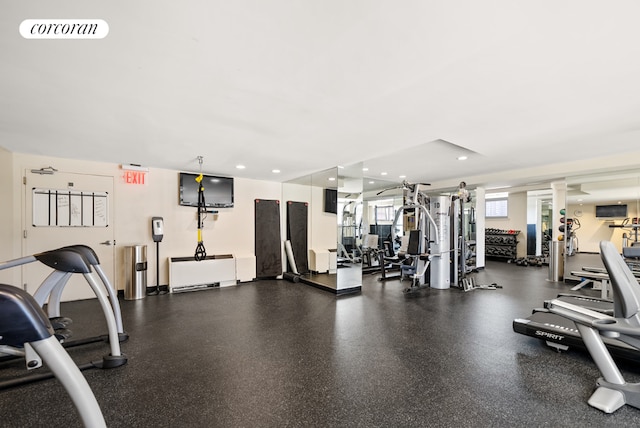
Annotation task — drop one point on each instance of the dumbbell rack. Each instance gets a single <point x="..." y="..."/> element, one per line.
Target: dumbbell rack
<point x="501" y="243"/>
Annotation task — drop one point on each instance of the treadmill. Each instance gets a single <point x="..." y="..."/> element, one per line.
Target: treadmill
<point x="612" y="389"/>
<point x="561" y="333"/>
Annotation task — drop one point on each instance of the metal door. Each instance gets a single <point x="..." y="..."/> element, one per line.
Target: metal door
<point x="59" y="212"/>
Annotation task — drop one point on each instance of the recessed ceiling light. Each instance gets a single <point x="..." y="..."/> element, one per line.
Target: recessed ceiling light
<point x="332" y="179"/>
<point x="462" y="158"/>
<point x="240" y="167"/>
<point x="365" y="169"/>
<point x="402" y="176"/>
<point x="371" y="182"/>
<point x="383" y="173"/>
<point x="275" y="171"/>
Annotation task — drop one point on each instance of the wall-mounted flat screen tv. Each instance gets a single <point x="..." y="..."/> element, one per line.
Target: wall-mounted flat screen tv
<point x="331" y="201"/>
<point x="609" y="211"/>
<point x="218" y="191"/>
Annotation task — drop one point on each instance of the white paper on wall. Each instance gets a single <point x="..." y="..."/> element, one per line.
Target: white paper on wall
<point x="70" y="208"/>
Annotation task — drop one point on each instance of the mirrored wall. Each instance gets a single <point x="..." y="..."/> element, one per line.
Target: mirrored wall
<point x="381" y="200"/>
<point x="602" y="206"/>
<point x="349" y="222"/>
<point x="333" y="205"/>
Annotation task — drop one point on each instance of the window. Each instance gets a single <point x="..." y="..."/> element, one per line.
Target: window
<point x="384" y="214"/>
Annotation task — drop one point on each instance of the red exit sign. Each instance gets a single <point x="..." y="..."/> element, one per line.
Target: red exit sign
<point x="134" y="177"/>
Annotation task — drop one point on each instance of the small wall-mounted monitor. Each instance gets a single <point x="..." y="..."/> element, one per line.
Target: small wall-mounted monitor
<point x="218" y="191"/>
<point x="331" y="201"/>
<point x="611" y="211"/>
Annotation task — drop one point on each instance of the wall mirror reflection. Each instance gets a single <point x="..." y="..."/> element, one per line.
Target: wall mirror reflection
<point x="413" y="234"/>
<point x="603" y="206"/>
<point x="539" y="224"/>
<point x="314" y="242"/>
<point x="350" y="225"/>
<point x="381" y="200"/>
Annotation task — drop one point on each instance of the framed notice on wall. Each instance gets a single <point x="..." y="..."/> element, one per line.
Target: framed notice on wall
<point x="497" y="207"/>
<point x="70" y="208"/>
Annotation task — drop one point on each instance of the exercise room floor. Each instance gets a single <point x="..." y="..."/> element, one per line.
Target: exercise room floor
<point x="278" y="354"/>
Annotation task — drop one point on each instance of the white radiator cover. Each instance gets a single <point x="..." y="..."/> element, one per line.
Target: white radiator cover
<point x="186" y="274"/>
<point x="245" y="267"/>
<point x="319" y="260"/>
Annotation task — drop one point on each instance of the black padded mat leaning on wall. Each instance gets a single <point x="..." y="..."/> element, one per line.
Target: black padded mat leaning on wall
<point x="297" y="213"/>
<point x="268" y="242"/>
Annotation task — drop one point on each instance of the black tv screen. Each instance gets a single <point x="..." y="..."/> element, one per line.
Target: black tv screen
<point x="606" y="211"/>
<point x="218" y="191"/>
<point x="331" y="201"/>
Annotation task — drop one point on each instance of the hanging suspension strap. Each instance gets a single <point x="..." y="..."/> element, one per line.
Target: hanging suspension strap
<point x="201" y="252"/>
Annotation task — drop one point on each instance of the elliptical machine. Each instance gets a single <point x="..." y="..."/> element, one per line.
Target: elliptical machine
<point x="24" y="327"/>
<point x="569" y="228"/>
<point x="65" y="262"/>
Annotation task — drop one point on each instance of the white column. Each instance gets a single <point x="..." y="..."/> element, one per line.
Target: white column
<point x="480" y="225"/>
<point x="539" y="231"/>
<point x="440" y="256"/>
<point x="559" y="201"/>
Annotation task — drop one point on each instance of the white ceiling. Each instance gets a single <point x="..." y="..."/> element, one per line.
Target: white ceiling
<point x="610" y="188"/>
<point x="304" y="85"/>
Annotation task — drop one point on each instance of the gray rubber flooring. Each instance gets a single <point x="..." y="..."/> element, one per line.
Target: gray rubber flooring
<point x="282" y="354"/>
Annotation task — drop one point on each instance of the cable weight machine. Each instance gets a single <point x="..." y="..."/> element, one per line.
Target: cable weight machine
<point x="440" y="258"/>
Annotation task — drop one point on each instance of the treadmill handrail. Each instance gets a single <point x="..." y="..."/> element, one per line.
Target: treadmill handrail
<point x="602" y="322"/>
<point x="618" y="326"/>
<point x="17" y="262"/>
<point x="626" y="291"/>
<point x="577" y="313"/>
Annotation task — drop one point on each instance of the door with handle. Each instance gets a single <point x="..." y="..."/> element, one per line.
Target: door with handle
<point x="60" y="209"/>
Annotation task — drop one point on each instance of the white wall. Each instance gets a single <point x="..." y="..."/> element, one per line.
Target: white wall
<point x="231" y="231"/>
<point x="9" y="234"/>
